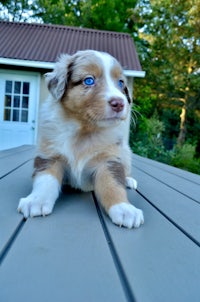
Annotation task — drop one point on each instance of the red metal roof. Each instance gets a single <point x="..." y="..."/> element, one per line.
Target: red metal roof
<point x="44" y="43"/>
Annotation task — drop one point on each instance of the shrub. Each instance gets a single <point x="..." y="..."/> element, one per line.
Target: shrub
<point x="146" y="140"/>
<point x="184" y="157"/>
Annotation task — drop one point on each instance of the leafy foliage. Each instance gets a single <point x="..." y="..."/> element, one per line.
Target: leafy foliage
<point x="184" y="157"/>
<point x="18" y="11"/>
<point x="172" y="60"/>
<point x="148" y="141"/>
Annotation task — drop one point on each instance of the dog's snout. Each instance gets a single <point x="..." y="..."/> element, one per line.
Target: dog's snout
<point x="117" y="104"/>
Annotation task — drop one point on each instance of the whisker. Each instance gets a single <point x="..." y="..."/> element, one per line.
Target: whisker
<point x="134" y="115"/>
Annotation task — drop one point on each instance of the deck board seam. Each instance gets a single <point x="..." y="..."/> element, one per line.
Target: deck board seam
<point x="19" y="166"/>
<point x="167" y="171"/>
<point x="11" y="240"/>
<point x="121" y="273"/>
<point x="170" y="219"/>
<point x="169" y="186"/>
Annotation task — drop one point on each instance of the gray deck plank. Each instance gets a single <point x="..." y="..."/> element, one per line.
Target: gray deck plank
<point x="12" y="188"/>
<point x="179" y="208"/>
<point x="7" y="152"/>
<point x="62" y="257"/>
<point x="185" y="186"/>
<point x="164" y="167"/>
<point x="13" y="158"/>
<point x="160" y="262"/>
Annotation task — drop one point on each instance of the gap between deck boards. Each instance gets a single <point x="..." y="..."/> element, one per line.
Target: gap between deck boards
<point x="123" y="278"/>
<point x="169" y="219"/>
<point x="164" y="167"/>
<point x="171" y="187"/>
<point x="11" y="240"/>
<point x="6" y="174"/>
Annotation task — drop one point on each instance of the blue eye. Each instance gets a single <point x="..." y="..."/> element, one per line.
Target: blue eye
<point x="121" y="84"/>
<point x="89" y="81"/>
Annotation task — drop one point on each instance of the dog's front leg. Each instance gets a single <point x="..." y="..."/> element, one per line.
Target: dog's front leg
<point x="47" y="181"/>
<point x="110" y="190"/>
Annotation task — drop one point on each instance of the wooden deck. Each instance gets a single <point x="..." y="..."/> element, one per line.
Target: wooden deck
<point x="77" y="254"/>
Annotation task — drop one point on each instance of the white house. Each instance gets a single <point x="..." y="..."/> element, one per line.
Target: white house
<point x="27" y="52"/>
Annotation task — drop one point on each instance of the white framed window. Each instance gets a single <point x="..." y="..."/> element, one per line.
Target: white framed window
<point x="16" y="101"/>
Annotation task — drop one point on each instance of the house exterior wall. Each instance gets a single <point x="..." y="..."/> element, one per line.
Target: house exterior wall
<point x="130" y="85"/>
<point x="43" y="88"/>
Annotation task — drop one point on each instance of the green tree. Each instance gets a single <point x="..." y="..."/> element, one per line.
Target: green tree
<point x="172" y="57"/>
<point x="97" y="14"/>
<point x="107" y="14"/>
<point x="15" y="10"/>
<point x="62" y="12"/>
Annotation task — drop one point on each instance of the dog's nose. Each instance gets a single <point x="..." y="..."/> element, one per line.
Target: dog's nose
<point x="117" y="104"/>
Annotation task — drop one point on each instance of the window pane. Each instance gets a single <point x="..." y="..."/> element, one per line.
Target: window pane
<point x="17" y="87"/>
<point x="17" y="101"/>
<point x="24" y="117"/>
<point x="7" y="113"/>
<point x="8" y="86"/>
<point x="15" y="115"/>
<point x="25" y="100"/>
<point x="7" y="100"/>
<point x="25" y="88"/>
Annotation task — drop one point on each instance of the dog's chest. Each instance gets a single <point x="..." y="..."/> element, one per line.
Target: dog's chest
<point x="83" y="156"/>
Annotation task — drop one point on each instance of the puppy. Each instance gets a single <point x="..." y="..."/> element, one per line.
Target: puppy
<point x="83" y="137"/>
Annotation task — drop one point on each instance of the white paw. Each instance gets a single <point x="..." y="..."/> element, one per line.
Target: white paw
<point x="42" y="199"/>
<point x="32" y="206"/>
<point x="125" y="214"/>
<point x="131" y="183"/>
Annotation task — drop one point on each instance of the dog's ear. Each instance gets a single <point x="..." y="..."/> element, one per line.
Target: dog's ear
<point x="57" y="79"/>
<point x="127" y="94"/>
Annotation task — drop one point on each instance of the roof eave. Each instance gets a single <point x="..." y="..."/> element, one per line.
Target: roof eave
<point x="134" y="73"/>
<point x="50" y="65"/>
<point x="27" y="63"/>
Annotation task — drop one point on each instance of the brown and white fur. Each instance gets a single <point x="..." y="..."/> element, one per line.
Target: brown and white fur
<point x="83" y="137"/>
